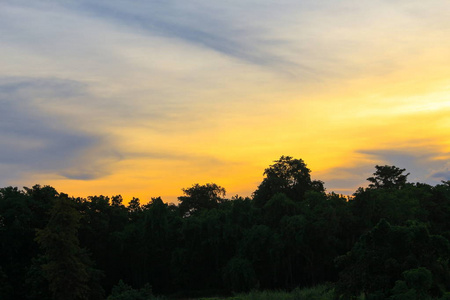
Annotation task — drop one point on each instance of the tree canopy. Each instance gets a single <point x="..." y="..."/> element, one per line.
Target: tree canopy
<point x="389" y="240"/>
<point x="388" y="177"/>
<point x="288" y="176"/>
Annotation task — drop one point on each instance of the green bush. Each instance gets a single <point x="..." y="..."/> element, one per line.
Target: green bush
<point x="122" y="291"/>
<point x="446" y="296"/>
<point x="416" y="285"/>
<point x="267" y="295"/>
<point x="320" y="292"/>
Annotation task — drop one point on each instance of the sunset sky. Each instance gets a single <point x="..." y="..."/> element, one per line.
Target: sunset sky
<point x="144" y="98"/>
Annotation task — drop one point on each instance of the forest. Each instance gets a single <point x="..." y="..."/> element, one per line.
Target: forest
<point x="389" y="240"/>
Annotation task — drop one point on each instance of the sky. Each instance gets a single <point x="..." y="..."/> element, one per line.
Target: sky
<point x="145" y="98"/>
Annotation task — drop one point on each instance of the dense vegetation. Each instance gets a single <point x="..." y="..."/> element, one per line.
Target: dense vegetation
<point x="387" y="241"/>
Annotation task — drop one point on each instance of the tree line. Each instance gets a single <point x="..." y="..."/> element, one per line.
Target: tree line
<point x="389" y="240"/>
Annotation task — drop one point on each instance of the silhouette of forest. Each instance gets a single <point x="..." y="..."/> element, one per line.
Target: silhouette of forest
<point x="389" y="240"/>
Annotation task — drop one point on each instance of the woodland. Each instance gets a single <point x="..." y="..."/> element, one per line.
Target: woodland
<point x="389" y="240"/>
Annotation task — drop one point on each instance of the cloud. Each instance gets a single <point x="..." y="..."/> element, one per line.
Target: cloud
<point x="425" y="164"/>
<point x="312" y="40"/>
<point x="85" y="84"/>
<point x="422" y="163"/>
<point x="35" y="141"/>
<point x="218" y="27"/>
<point x="346" y="180"/>
<point x="442" y="175"/>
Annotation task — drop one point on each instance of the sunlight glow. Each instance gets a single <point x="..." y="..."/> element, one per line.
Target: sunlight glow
<point x="144" y="104"/>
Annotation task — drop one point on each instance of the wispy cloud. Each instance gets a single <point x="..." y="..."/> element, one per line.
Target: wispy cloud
<point x="35" y="141"/>
<point x="219" y="27"/>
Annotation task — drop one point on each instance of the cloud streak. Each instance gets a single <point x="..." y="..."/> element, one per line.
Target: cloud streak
<point x="216" y="27"/>
<point x="33" y="141"/>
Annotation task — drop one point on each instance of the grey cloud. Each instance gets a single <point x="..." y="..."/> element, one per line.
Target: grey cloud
<point x="311" y="39"/>
<point x="82" y="175"/>
<point x="36" y="141"/>
<point x="218" y="28"/>
<point x="442" y="175"/>
<point x="423" y="164"/>
<point x="314" y="40"/>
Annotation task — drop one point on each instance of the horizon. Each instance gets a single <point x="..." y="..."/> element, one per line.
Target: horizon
<point x="226" y="194"/>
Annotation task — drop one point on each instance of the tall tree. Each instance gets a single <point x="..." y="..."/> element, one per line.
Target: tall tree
<point x="20" y="213"/>
<point x="388" y="177"/>
<point x="66" y="268"/>
<point x="289" y="176"/>
<point x="199" y="197"/>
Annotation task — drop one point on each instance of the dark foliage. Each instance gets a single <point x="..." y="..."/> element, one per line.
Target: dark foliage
<point x="388" y="241"/>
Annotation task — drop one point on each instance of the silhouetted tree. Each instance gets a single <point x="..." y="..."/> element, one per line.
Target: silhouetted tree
<point x="66" y="268"/>
<point x="200" y="197"/>
<point x="262" y="246"/>
<point x="388" y="177"/>
<point x="288" y="235"/>
<point x="21" y="212"/>
<point x="239" y="275"/>
<point x="378" y="260"/>
<point x="289" y="176"/>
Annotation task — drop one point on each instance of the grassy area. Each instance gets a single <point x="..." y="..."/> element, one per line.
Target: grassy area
<point x="320" y="292"/>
